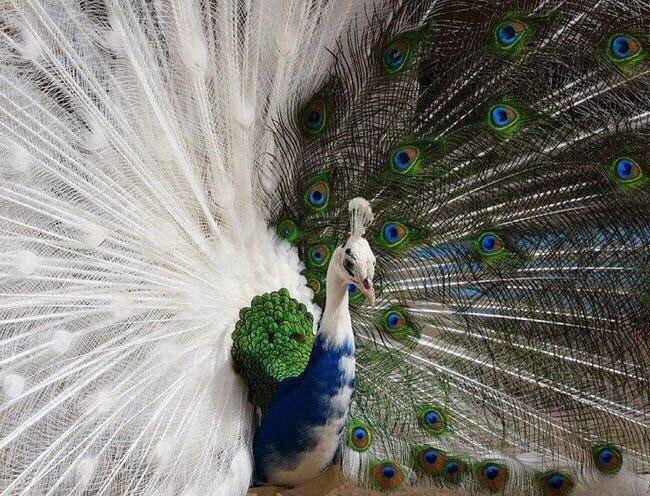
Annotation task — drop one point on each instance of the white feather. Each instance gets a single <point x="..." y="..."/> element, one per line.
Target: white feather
<point x="132" y="231"/>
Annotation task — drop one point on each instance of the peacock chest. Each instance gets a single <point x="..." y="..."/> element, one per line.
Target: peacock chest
<point x="300" y="435"/>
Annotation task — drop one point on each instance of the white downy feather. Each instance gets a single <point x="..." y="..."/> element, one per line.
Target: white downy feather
<point x="132" y="231"/>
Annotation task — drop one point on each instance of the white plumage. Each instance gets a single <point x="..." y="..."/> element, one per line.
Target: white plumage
<point x="132" y="230"/>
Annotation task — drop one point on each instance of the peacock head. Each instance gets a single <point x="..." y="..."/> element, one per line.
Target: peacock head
<point x="354" y="261"/>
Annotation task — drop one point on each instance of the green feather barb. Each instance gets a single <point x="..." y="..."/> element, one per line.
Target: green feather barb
<point x="272" y="341"/>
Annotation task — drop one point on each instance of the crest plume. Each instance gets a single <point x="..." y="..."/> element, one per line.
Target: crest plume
<point x="361" y="216"/>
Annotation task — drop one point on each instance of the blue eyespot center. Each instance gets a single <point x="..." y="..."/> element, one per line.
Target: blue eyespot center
<point x="605" y="456"/>
<point x="621" y="46"/>
<point x="402" y="160"/>
<point x="360" y="433"/>
<point x="624" y="168"/>
<point x="391" y="232"/>
<point x="314" y="119"/>
<point x="432" y="418"/>
<point x="394" y="233"/>
<point x="555" y="481"/>
<point x="395" y="56"/>
<point x="627" y="169"/>
<point x="388" y="472"/>
<point x="507" y="34"/>
<point x="393" y="319"/>
<point x="491" y="472"/>
<point x="351" y="289"/>
<point x="431" y="456"/>
<point x="452" y="468"/>
<point x="489" y="242"/>
<point x="317" y="197"/>
<point x="500" y="116"/>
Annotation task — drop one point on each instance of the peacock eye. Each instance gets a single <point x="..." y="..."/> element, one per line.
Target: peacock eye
<point x="490" y="243"/>
<point x="556" y="484"/>
<point x="503" y="116"/>
<point x="623" y="47"/>
<point x="433" y="420"/>
<point x="317" y="195"/>
<point x="388" y="475"/>
<point x="608" y="459"/>
<point x="454" y="469"/>
<point x="360" y="438"/>
<point x="319" y="255"/>
<point x="492" y="475"/>
<point x="314" y="116"/>
<point x="627" y="169"/>
<point x="432" y="461"/>
<point x="394" y="320"/>
<point x="396" y="56"/>
<point x="394" y="233"/>
<point x="509" y="33"/>
<point x="404" y="159"/>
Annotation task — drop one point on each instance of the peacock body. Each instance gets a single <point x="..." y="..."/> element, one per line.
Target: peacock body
<point x="197" y="297"/>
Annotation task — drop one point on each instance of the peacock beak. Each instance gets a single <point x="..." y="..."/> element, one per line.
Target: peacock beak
<point x="368" y="289"/>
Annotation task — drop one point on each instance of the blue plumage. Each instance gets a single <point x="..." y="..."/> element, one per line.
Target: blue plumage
<point x="302" y="407"/>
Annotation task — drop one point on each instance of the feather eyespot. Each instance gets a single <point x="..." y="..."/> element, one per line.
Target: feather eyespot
<point x="508" y="34"/>
<point x="556" y="484"/>
<point x="319" y="255"/>
<point x="388" y="475"/>
<point x="394" y="320"/>
<point x="624" y="47"/>
<point x="502" y="116"/>
<point x="359" y="437"/>
<point x="432" y="461"/>
<point x="317" y="195"/>
<point x="627" y="169"/>
<point x="288" y="230"/>
<point x="492" y="475"/>
<point x="490" y="244"/>
<point x="607" y="458"/>
<point x="396" y="55"/>
<point x="454" y="470"/>
<point x="405" y="159"/>
<point x="315" y="115"/>
<point x="433" y="419"/>
<point x="394" y="234"/>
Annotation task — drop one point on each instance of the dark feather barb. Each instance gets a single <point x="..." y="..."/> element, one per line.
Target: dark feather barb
<point x="543" y="348"/>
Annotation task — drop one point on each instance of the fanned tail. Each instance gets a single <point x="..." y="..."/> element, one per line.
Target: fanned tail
<point x="504" y="150"/>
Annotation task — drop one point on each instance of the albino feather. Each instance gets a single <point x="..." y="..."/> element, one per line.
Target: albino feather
<point x="132" y="232"/>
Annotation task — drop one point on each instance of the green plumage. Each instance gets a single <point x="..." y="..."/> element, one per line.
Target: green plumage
<point x="272" y="341"/>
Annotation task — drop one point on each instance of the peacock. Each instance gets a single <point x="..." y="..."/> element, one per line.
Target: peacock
<point x="244" y="241"/>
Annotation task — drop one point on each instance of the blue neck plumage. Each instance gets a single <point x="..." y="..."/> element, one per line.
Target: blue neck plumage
<point x="300" y="434"/>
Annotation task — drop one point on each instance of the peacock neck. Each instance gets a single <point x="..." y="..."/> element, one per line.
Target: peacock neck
<point x="336" y="326"/>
